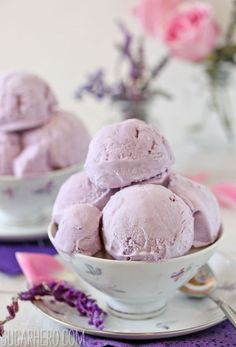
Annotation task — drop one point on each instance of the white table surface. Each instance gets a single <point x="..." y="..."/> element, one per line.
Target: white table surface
<point x="31" y="329"/>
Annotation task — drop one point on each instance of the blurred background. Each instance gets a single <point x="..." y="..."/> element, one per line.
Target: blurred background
<point x="63" y="41"/>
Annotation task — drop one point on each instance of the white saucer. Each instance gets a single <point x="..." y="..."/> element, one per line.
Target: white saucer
<point x="183" y="315"/>
<point x="24" y="231"/>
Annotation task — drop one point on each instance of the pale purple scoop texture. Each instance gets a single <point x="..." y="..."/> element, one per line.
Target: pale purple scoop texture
<point x="60" y="143"/>
<point x="203" y="205"/>
<point x="78" y="230"/>
<point x="147" y="222"/>
<point x="127" y="152"/>
<point x="10" y="147"/>
<point x="79" y="189"/>
<point x="26" y="101"/>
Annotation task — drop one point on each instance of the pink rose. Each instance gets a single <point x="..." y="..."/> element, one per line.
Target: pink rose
<point x="192" y="33"/>
<point x="154" y="14"/>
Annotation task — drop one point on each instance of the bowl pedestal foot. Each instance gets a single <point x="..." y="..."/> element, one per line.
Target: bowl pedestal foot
<point x="136" y="310"/>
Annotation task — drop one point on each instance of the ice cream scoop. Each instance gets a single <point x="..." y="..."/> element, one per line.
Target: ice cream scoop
<point x="60" y="143"/>
<point x="127" y="152"/>
<point x="26" y="101"/>
<point x="32" y="161"/>
<point x="203" y="205"/>
<point x="10" y="147"/>
<point x="79" y="189"/>
<point x="147" y="222"/>
<point x="78" y="230"/>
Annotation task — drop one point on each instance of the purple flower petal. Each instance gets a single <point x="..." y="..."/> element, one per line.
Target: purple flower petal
<point x="62" y="292"/>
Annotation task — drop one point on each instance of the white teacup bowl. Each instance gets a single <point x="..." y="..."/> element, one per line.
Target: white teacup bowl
<point x="137" y="289"/>
<point x="26" y="201"/>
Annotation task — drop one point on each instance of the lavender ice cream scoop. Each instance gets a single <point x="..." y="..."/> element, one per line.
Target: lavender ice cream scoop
<point x="203" y="205"/>
<point x="10" y="147"/>
<point x="26" y="101"/>
<point x="127" y="152"/>
<point x="60" y="143"/>
<point x="79" y="189"/>
<point x="147" y="222"/>
<point x="32" y="161"/>
<point x="78" y="230"/>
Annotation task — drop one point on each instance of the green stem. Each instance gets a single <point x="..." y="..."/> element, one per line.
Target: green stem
<point x="4" y="321"/>
<point x="156" y="70"/>
<point x="232" y="25"/>
<point x="220" y="110"/>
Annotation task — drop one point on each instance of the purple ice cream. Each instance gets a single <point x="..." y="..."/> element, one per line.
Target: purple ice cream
<point x="26" y="101"/>
<point x="126" y="153"/>
<point x="60" y="143"/>
<point x="79" y="189"/>
<point x="32" y="161"/>
<point x="147" y="222"/>
<point x="203" y="205"/>
<point x="10" y="147"/>
<point x="78" y="230"/>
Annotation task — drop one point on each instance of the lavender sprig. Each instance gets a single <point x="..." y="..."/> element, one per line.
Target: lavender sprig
<point x="132" y="55"/>
<point x="136" y="84"/>
<point x="61" y="292"/>
<point x="95" y="85"/>
<point x="12" y="309"/>
<point x="125" y="47"/>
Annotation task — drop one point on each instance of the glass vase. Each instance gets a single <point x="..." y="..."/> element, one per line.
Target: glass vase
<point x="210" y="143"/>
<point x="140" y="109"/>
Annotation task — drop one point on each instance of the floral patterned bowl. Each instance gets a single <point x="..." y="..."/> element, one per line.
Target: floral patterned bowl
<point x="137" y="289"/>
<point x="27" y="201"/>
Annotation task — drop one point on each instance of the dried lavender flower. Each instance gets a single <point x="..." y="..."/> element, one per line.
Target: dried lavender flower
<point x="13" y="308"/>
<point x="125" y="46"/>
<point x="95" y="85"/>
<point x="61" y="292"/>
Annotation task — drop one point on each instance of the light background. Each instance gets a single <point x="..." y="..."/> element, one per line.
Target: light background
<point x="63" y="40"/>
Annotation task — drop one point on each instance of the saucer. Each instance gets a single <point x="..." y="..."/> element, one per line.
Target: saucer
<point x="183" y="315"/>
<point x="25" y="231"/>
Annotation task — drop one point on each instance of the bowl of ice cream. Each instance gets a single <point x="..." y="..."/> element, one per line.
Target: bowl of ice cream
<point x="40" y="147"/>
<point x="129" y="226"/>
<point x="136" y="289"/>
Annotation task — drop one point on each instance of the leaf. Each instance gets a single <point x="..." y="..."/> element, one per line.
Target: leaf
<point x="163" y="93"/>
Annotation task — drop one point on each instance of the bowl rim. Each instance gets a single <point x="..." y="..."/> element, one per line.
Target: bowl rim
<point x="49" y="174"/>
<point x="200" y="250"/>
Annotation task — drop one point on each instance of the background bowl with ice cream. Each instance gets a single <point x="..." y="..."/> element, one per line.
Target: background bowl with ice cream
<point x="137" y="289"/>
<point x="32" y="176"/>
<point x="25" y="203"/>
<point x="40" y="147"/>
